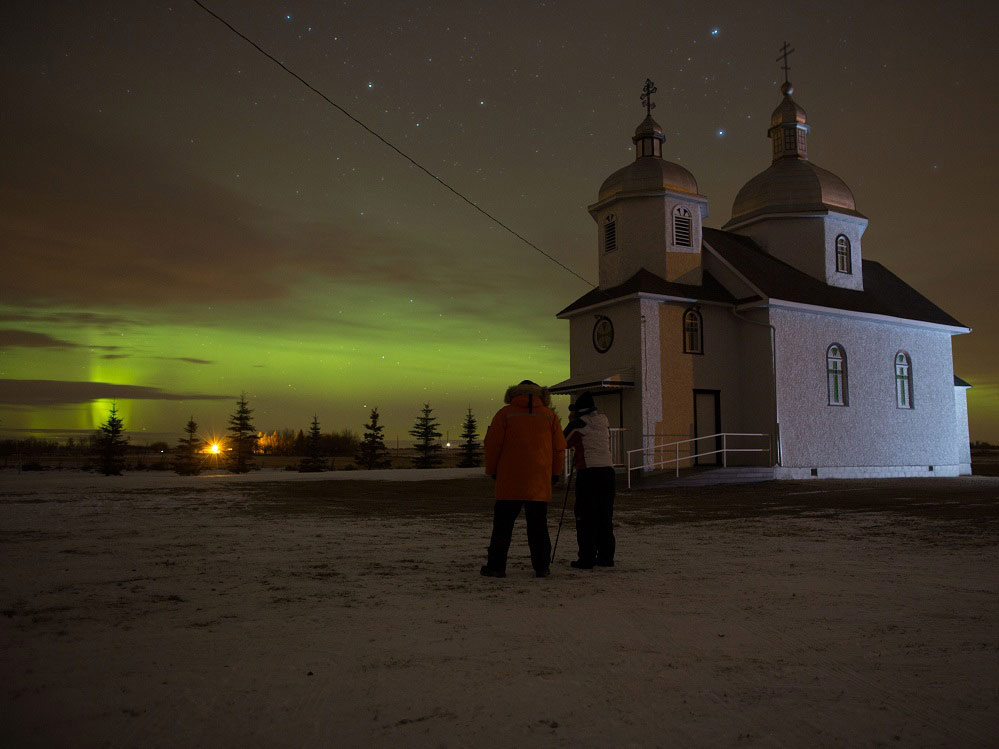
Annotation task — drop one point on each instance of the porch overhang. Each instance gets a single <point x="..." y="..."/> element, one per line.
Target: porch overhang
<point x="611" y="381"/>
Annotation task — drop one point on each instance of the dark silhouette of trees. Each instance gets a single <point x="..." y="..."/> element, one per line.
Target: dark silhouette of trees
<point x="471" y="447"/>
<point x="112" y="444"/>
<point x="314" y="459"/>
<point x="428" y="440"/>
<point x="372" y="453"/>
<point x="243" y="440"/>
<point x="188" y="462"/>
<point x="344" y="442"/>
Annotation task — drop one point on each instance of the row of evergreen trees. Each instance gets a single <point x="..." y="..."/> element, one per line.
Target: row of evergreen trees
<point x="242" y="442"/>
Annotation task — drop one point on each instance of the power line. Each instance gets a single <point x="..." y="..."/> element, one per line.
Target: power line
<point x="395" y="148"/>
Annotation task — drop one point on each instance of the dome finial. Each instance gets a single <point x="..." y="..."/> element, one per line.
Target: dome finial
<point x="786" y="50"/>
<point x="649" y="136"/>
<point x="646" y="97"/>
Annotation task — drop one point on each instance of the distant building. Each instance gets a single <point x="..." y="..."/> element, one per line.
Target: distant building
<point x="774" y="325"/>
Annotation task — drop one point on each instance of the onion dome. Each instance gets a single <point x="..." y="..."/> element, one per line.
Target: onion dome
<point x="792" y="183"/>
<point x="793" y="186"/>
<point x="648" y="138"/>
<point x="648" y="175"/>
<point x="788" y="111"/>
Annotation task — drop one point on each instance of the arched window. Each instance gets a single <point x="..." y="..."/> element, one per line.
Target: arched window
<point x="682" y="227"/>
<point x="610" y="233"/>
<point x="836" y="378"/>
<point x="903" y="380"/>
<point x="693" y="332"/>
<point x="844" y="263"/>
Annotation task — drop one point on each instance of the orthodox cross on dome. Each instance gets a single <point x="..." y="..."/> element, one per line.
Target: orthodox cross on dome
<point x="646" y="97"/>
<point x="784" y="52"/>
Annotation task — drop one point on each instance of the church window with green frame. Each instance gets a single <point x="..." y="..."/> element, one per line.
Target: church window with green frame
<point x="844" y="263"/>
<point x="903" y="380"/>
<point x="836" y="376"/>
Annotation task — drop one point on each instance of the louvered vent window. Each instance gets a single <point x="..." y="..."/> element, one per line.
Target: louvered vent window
<point x="682" y="227"/>
<point x="610" y="233"/>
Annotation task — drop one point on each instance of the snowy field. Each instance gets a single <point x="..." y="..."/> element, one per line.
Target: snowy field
<point x="301" y="610"/>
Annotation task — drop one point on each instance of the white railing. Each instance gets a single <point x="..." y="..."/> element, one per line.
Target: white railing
<point x="689" y="454"/>
<point x="616" y="449"/>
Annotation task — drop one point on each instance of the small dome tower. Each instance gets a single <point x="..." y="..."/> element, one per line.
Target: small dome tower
<point x="798" y="211"/>
<point x="649" y="212"/>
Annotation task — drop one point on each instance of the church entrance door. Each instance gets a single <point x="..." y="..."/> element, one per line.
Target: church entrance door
<point x="707" y="421"/>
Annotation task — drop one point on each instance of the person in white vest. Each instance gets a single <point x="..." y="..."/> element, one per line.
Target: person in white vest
<point x="588" y="435"/>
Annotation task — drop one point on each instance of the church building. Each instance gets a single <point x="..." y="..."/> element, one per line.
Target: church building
<point x="774" y="326"/>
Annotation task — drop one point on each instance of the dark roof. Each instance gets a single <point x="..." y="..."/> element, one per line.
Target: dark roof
<point x="884" y="293"/>
<point x="959" y="383"/>
<point x="647" y="282"/>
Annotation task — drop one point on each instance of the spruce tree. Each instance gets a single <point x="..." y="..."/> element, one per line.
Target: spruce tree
<point x="188" y="462"/>
<point x="372" y="453"/>
<point x="471" y="447"/>
<point x="111" y="444"/>
<point x="314" y="459"/>
<point x="244" y="438"/>
<point x="428" y="436"/>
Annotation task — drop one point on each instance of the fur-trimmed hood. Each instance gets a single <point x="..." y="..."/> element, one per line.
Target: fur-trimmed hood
<point x="528" y="388"/>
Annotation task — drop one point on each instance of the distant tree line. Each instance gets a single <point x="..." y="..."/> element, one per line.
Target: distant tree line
<point x="289" y="442"/>
<point x="236" y="451"/>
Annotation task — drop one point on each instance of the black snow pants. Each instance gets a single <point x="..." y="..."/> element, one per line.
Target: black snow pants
<point x="594" y="512"/>
<point x="504" y="515"/>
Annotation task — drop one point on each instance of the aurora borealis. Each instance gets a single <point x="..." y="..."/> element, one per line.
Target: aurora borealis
<point x="183" y="220"/>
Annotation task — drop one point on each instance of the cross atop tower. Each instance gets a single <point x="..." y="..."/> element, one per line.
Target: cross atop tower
<point x="646" y="97"/>
<point x="784" y="52"/>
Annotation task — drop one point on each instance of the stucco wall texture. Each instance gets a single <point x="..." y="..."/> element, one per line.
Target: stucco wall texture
<point x="871" y="430"/>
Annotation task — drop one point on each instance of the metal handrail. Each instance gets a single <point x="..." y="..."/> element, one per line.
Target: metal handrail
<point x="725" y="450"/>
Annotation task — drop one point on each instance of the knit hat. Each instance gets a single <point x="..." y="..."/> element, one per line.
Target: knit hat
<point x="584" y="404"/>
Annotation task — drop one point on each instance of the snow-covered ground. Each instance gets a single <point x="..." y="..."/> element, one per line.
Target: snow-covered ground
<point x="311" y="611"/>
<point x="69" y="480"/>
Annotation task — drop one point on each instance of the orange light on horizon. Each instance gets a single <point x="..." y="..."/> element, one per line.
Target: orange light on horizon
<point x="216" y="448"/>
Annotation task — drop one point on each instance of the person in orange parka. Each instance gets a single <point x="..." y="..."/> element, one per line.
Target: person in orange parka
<point x="525" y="448"/>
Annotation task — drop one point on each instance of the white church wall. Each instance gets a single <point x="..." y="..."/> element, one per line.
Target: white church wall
<point x="871" y="432"/>
<point x="624" y="354"/>
<point x="755" y="370"/>
<point x="651" y="371"/>
<point x="852" y="228"/>
<point x="963" y="435"/>
<point x="641" y="239"/>
<point x="735" y="362"/>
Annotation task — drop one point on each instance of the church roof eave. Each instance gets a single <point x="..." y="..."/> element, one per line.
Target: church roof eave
<point x="611" y="199"/>
<point x="817" y="210"/>
<point x="885" y="295"/>
<point x="645" y="284"/>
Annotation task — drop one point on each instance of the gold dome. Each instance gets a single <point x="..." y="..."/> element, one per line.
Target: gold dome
<point x="793" y="186"/>
<point x="788" y="111"/>
<point x="648" y="175"/>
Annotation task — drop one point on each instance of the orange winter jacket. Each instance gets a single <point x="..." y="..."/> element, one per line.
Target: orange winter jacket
<point x="524" y="445"/>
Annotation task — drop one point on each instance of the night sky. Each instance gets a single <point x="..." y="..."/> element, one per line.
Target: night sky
<point x="184" y="220"/>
